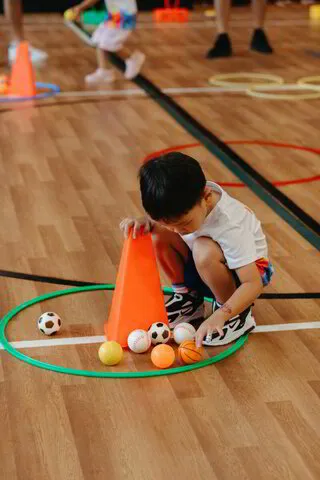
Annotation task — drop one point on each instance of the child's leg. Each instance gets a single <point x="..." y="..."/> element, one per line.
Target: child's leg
<point x="102" y="59"/>
<point x="222" y="46"/>
<point x="103" y="74"/>
<point x="134" y="64"/>
<point x="211" y="266"/>
<point x="259" y="41"/>
<point x="173" y="255"/>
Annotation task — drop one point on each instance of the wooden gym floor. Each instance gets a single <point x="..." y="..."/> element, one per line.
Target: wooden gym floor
<point x="68" y="174"/>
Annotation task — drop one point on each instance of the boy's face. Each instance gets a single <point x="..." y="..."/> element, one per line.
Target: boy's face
<point x="193" y="220"/>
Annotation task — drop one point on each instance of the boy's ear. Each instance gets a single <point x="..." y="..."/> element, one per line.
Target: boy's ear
<point x="207" y="193"/>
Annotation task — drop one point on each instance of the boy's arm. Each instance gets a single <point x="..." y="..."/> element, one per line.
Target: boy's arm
<point x="85" y="5"/>
<point x="249" y="290"/>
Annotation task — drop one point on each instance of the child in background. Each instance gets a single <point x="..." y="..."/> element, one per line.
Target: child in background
<point x="208" y="243"/>
<point x="111" y="36"/>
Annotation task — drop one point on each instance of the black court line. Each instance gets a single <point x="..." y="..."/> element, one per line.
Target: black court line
<point x="80" y="283"/>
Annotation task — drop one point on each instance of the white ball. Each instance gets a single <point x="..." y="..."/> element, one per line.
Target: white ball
<point x="139" y="341"/>
<point x="182" y="332"/>
<point x="159" y="333"/>
<point x="49" y="323"/>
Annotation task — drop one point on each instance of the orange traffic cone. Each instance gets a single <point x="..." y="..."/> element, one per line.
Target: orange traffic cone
<point x="138" y="300"/>
<point x="22" y="82"/>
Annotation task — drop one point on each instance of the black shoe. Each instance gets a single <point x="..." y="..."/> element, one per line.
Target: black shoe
<point x="233" y="329"/>
<point x="184" y="307"/>
<point x="260" y="42"/>
<point x="221" y="48"/>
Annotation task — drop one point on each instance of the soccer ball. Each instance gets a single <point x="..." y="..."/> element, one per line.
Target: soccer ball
<point x="49" y="323"/>
<point x="159" y="333"/>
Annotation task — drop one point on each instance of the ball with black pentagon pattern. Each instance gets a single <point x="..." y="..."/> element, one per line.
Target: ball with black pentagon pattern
<point x="159" y="333"/>
<point x="49" y="323"/>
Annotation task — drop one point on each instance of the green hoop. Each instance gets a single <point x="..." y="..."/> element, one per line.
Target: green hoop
<point x="87" y="373"/>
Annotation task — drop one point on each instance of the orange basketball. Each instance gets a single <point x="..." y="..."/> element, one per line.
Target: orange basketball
<point x="162" y="356"/>
<point x="189" y="353"/>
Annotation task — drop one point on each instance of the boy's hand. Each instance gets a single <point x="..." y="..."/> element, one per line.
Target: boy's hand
<point x="139" y="226"/>
<point x="214" y="323"/>
<point x="77" y="10"/>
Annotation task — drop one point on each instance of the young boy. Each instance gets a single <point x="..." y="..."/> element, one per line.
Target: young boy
<point x="208" y="243"/>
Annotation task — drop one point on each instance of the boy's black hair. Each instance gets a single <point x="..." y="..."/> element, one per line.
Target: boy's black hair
<point x="171" y="185"/>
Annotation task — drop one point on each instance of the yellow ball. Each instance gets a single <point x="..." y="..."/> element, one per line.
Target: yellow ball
<point x="211" y="13"/>
<point x="110" y="353"/>
<point x="69" y="15"/>
<point x="314" y="12"/>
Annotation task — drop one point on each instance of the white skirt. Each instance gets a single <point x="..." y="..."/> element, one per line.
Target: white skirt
<point x="110" y="39"/>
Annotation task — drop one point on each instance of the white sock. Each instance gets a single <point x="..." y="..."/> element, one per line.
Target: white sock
<point x="180" y="288"/>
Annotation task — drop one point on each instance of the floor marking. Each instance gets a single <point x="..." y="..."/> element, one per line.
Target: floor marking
<point x="138" y="92"/>
<point x="175" y="90"/>
<point x="282" y="327"/>
<point x="96" y="93"/>
<point x="56" y="342"/>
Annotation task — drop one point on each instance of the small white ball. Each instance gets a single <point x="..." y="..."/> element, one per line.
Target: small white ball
<point x="182" y="332"/>
<point x="49" y="323"/>
<point x="139" y="341"/>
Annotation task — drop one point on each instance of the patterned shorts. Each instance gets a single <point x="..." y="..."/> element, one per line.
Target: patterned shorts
<point x="110" y="39"/>
<point x="266" y="270"/>
<point x="193" y="280"/>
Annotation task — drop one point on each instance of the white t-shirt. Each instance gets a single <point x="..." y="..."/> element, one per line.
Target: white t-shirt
<point x="125" y="6"/>
<point x="235" y="228"/>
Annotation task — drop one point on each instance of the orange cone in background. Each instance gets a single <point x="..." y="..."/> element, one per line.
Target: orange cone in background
<point x="22" y="82"/>
<point x="138" y="300"/>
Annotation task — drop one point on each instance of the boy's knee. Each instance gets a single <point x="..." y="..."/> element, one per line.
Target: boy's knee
<point x="160" y="239"/>
<point x="158" y="242"/>
<point x="205" y="252"/>
<point x="164" y="239"/>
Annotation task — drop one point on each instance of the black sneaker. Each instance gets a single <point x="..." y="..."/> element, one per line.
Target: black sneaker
<point x="233" y="329"/>
<point x="260" y="42"/>
<point x="184" y="307"/>
<point x="221" y="48"/>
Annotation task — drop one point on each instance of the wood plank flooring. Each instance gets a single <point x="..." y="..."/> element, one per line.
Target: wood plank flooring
<point x="68" y="175"/>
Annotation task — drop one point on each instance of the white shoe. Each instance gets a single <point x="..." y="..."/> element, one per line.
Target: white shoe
<point x="232" y="330"/>
<point x="184" y="307"/>
<point x="101" y="75"/>
<point x="134" y="65"/>
<point x="37" y="56"/>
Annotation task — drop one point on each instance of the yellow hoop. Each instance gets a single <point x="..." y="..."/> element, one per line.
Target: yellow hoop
<point x="257" y="91"/>
<point x="222" y="80"/>
<point x="308" y="81"/>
